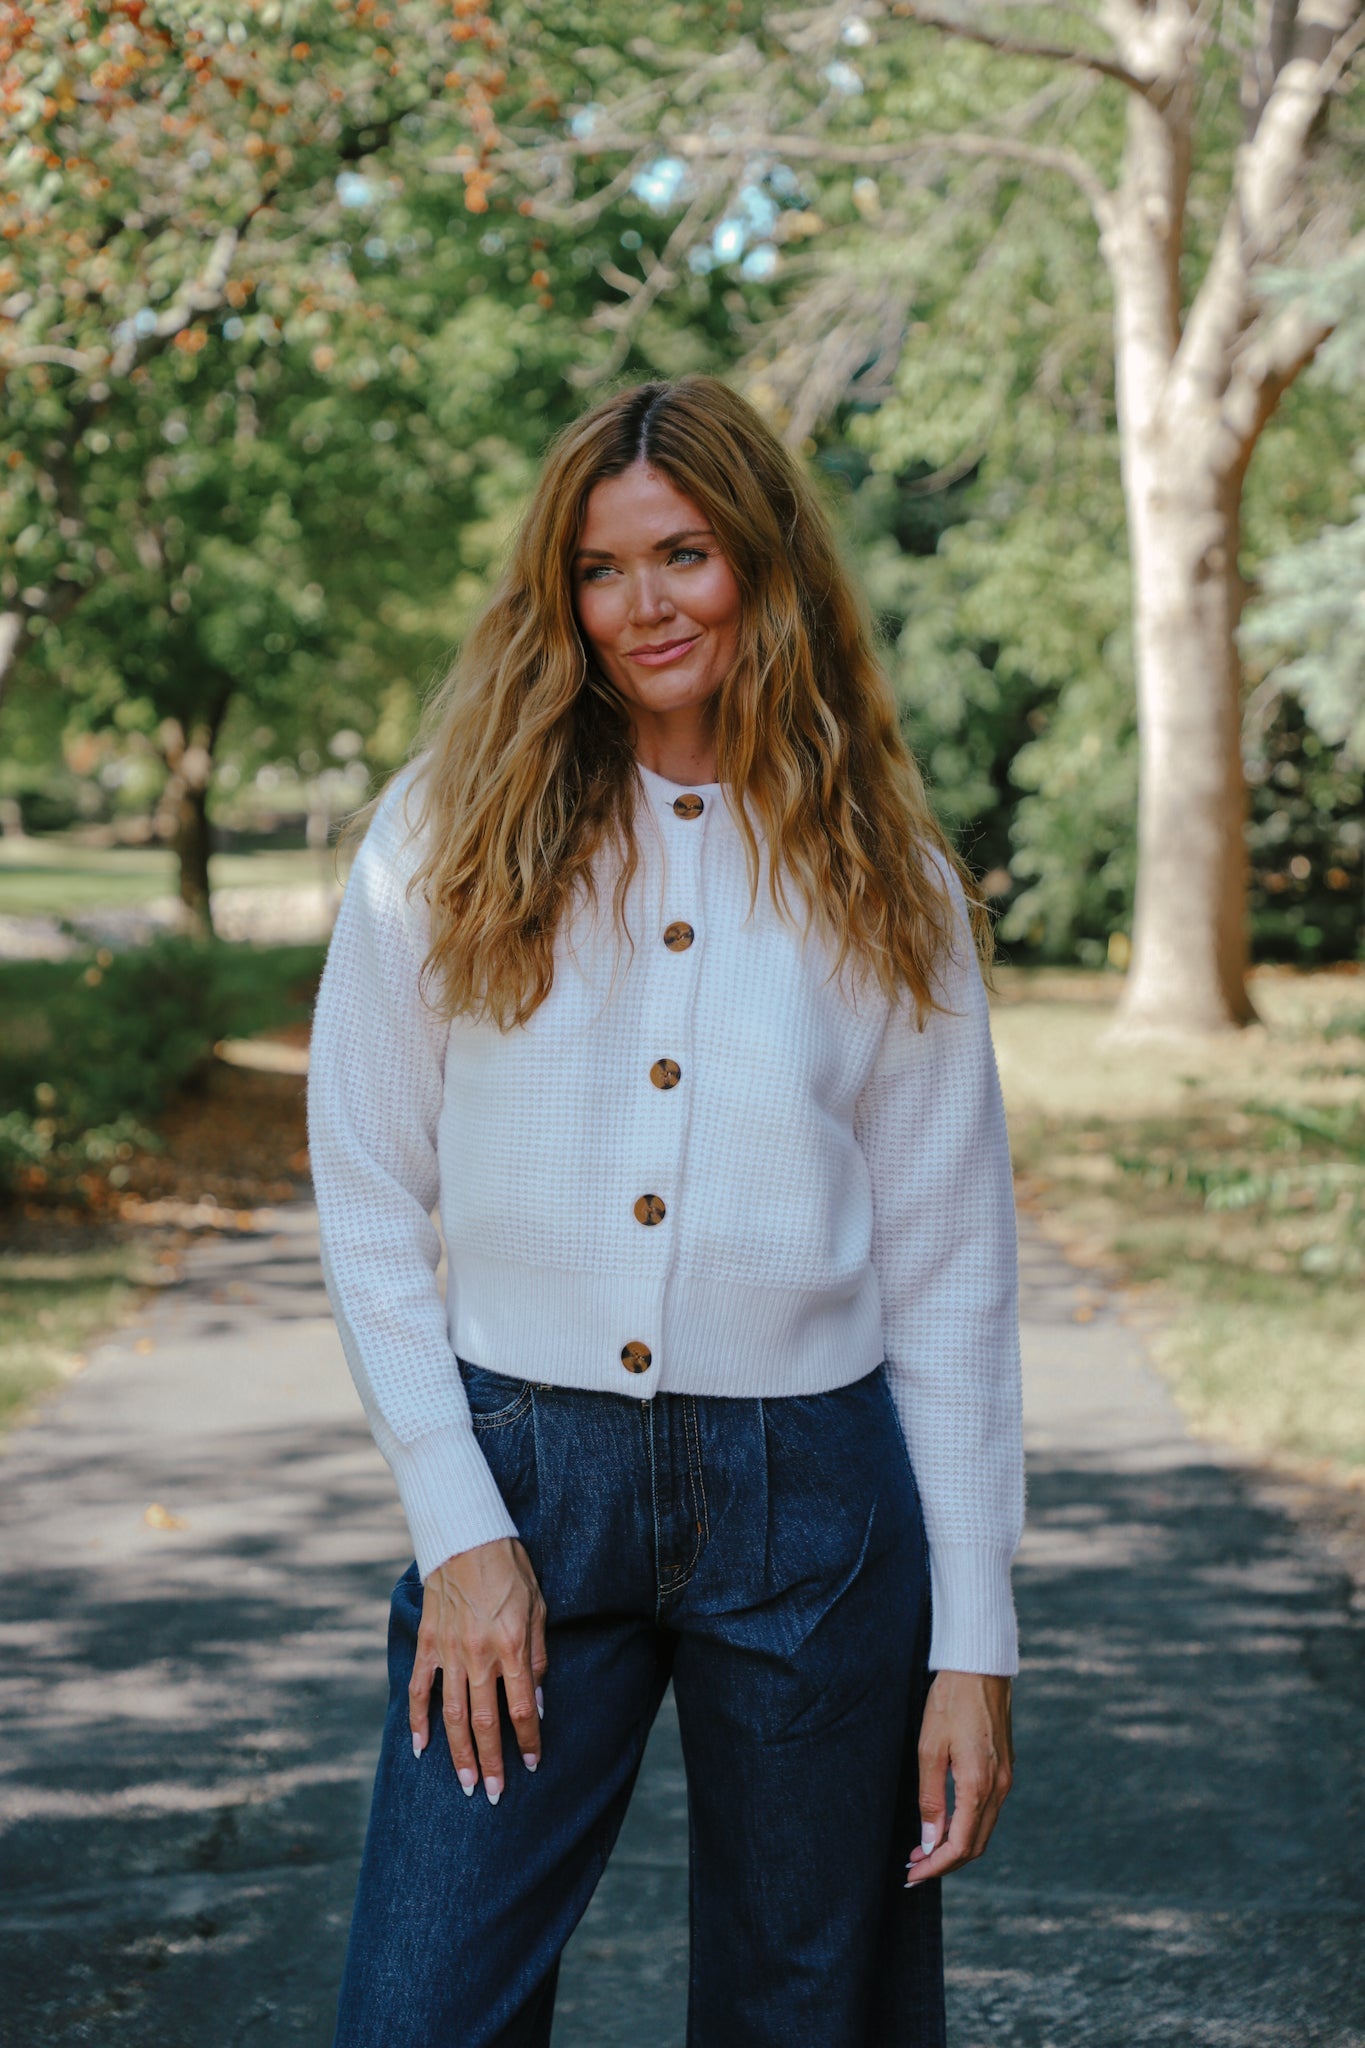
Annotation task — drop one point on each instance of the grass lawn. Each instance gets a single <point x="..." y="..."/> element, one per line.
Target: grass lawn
<point x="59" y="1293"/>
<point x="52" y="874"/>
<point x="1224" y="1183"/>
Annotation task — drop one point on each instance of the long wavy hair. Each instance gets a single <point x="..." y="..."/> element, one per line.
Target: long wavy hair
<point x="527" y="762"/>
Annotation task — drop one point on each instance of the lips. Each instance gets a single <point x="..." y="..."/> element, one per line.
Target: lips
<point x="668" y="650"/>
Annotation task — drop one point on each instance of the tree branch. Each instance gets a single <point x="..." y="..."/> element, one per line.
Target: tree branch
<point x="867" y="155"/>
<point x="1020" y="46"/>
<point x="1278" y="348"/>
<point x="65" y="358"/>
<point x="1327" y="35"/>
<point x="1266" y="198"/>
<point x="643" y="292"/>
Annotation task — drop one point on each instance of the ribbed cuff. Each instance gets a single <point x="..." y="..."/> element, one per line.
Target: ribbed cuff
<point x="974" y="1624"/>
<point x="449" y="1496"/>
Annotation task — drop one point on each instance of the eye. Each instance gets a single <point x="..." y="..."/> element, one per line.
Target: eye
<point x="697" y="554"/>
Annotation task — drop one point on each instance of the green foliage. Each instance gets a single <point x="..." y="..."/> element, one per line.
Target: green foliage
<point x="1306" y="842"/>
<point x="1282" y="1172"/>
<point x="1311" y="614"/>
<point x="1306" y="626"/>
<point x="281" y="517"/>
<point x="95" y="1046"/>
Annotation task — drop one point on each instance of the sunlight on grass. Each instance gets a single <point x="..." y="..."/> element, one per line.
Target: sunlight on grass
<point x="1273" y="1364"/>
<point x="53" y="1303"/>
<point x="1226" y="1178"/>
<point x="51" y="875"/>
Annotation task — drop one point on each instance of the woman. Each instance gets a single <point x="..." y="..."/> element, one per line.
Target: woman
<point x="656" y="974"/>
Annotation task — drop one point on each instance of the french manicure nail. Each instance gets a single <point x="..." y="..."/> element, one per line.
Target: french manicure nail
<point x="529" y="1760"/>
<point x="927" y="1838"/>
<point x="540" y="1703"/>
<point x="468" y="1780"/>
<point x="493" y="1787"/>
<point x="417" y="1745"/>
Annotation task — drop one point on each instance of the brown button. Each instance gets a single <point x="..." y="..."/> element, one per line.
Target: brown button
<point x="689" y="806"/>
<point x="636" y="1357"/>
<point x="650" y="1209"/>
<point x="678" y="936"/>
<point x="665" y="1073"/>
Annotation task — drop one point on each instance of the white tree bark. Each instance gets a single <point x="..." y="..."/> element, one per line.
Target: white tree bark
<point x="1190" y="949"/>
<point x="11" y="639"/>
<point x="1193" y="398"/>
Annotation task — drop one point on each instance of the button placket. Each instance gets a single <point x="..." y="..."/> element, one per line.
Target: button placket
<point x="682" y="831"/>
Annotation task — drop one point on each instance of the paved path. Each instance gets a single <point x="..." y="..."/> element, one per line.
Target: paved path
<point x="191" y="1712"/>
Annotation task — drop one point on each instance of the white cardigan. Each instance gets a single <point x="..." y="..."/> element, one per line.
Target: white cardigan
<point x="828" y="1188"/>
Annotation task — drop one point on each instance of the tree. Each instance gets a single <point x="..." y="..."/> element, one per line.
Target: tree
<point x="174" y="171"/>
<point x="1201" y="356"/>
<point x="249" y="511"/>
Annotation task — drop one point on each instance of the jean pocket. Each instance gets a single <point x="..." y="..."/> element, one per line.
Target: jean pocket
<point x="495" y="1398"/>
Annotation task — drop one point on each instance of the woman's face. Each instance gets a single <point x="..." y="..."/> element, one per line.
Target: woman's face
<point x="657" y="601"/>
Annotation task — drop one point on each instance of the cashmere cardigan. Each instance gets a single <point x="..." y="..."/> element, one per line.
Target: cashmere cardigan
<point x="820" y="1188"/>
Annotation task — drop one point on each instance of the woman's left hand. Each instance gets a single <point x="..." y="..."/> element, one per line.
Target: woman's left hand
<point x="966" y="1729"/>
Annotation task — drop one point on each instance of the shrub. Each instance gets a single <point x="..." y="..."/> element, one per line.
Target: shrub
<point x="93" y="1048"/>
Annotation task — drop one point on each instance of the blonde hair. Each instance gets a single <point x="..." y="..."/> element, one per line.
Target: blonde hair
<point x="528" y="765"/>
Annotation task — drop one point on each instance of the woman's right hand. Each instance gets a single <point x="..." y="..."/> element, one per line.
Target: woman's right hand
<point x="483" y="1618"/>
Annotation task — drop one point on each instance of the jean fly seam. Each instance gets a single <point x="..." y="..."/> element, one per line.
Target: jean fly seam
<point x="650" y="1415"/>
<point x="672" y="1580"/>
<point x="698" y="1475"/>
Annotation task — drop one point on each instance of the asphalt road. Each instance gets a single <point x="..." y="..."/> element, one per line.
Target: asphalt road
<point x="191" y="1700"/>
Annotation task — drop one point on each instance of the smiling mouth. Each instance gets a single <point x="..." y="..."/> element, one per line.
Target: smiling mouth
<point x="665" y="652"/>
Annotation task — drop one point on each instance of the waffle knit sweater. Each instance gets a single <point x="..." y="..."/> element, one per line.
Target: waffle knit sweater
<point x="829" y="1188"/>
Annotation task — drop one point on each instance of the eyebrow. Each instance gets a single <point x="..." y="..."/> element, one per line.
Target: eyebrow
<point x="660" y="546"/>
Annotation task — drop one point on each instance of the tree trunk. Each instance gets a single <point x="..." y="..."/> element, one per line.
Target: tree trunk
<point x="11" y="639"/>
<point x="182" y="814"/>
<point x="193" y="844"/>
<point x="1190" y="951"/>
<point x="1189" y="959"/>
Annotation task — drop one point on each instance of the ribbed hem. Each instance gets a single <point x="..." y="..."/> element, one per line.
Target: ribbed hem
<point x="568" y="1328"/>
<point x="449" y="1496"/>
<point x="974" y="1624"/>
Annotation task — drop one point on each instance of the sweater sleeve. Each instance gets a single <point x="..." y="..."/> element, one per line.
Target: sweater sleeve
<point x="375" y="1088"/>
<point x="931" y="1123"/>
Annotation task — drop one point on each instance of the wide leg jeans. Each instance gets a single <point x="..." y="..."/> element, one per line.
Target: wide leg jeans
<point x="769" y="1557"/>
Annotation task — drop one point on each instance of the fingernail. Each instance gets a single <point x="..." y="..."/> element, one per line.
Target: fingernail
<point x="493" y="1787"/>
<point x="468" y="1780"/>
<point x="529" y="1760"/>
<point x="417" y="1745"/>
<point x="540" y="1703"/>
<point x="928" y="1835"/>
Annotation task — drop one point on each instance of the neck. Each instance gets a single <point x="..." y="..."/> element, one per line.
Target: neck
<point x="682" y="753"/>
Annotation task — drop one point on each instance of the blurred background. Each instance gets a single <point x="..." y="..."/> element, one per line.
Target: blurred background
<point x="1069" y="323"/>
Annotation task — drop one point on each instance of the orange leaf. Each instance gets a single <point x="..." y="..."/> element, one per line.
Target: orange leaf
<point x="157" y="1517"/>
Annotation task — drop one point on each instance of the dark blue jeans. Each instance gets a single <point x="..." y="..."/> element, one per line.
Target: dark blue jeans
<point x="769" y="1557"/>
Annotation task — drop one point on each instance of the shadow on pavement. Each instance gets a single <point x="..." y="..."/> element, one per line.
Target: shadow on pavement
<point x="191" y="1713"/>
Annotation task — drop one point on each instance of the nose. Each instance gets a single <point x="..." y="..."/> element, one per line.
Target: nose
<point x="649" y="600"/>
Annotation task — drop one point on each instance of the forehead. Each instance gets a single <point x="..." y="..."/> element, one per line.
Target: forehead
<point x="639" y="506"/>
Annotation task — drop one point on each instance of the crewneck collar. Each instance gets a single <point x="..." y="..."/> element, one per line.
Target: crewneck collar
<point x="660" y="786"/>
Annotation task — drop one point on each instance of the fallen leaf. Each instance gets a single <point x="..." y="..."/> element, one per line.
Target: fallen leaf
<point x="157" y="1517"/>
